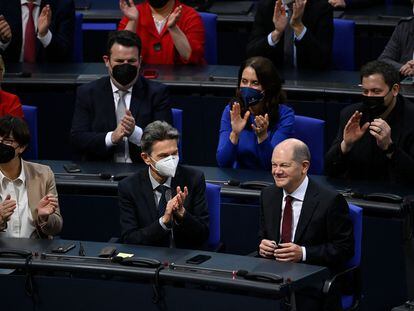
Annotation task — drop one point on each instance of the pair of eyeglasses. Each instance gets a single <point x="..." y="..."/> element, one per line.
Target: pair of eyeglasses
<point x="7" y="141"/>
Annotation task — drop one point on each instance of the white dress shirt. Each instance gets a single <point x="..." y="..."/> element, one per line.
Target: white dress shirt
<point x="25" y="17"/>
<point x="297" y="201"/>
<point x="298" y="38"/>
<point x="136" y="135"/>
<point x="20" y="224"/>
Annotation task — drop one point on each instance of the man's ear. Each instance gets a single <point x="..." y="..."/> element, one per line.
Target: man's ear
<point x="305" y="166"/>
<point x="146" y="158"/>
<point x="395" y="89"/>
<point x="106" y="60"/>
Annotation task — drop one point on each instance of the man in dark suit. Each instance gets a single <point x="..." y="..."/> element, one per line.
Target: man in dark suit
<point x="111" y="112"/>
<point x="297" y="35"/>
<point x="375" y="138"/>
<point x="45" y="35"/>
<point x="164" y="204"/>
<point x="302" y="221"/>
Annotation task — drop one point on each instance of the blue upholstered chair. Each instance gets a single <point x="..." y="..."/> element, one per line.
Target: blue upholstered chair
<point x="351" y="301"/>
<point x="78" y="37"/>
<point x="177" y="115"/>
<point x="343" y="52"/>
<point x="30" y="116"/>
<point x="312" y="132"/>
<point x="213" y="203"/>
<point x="210" y="46"/>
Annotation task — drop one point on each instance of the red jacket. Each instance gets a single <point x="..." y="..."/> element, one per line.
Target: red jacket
<point x="190" y="24"/>
<point x="10" y="104"/>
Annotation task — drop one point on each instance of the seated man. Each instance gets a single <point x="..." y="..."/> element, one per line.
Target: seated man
<point x="302" y="221"/>
<point x="111" y="112"/>
<point x="29" y="205"/>
<point x="298" y="35"/>
<point x="37" y="31"/>
<point x="399" y="50"/>
<point x="164" y="204"/>
<point x="375" y="140"/>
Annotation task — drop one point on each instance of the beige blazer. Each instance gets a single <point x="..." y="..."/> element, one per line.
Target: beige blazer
<point x="40" y="181"/>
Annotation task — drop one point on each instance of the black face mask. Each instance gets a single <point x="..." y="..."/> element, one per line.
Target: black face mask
<point x="7" y="153"/>
<point x="373" y="106"/>
<point x="124" y="74"/>
<point x="157" y="4"/>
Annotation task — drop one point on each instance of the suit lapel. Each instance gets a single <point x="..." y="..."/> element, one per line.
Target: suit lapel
<point x="276" y="213"/>
<point x="310" y="203"/>
<point x="106" y="103"/>
<point x="136" y="96"/>
<point x="148" y="195"/>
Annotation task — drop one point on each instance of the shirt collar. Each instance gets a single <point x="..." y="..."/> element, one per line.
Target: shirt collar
<point x="115" y="89"/>
<point x="155" y="183"/>
<point x="299" y="193"/>
<point x="21" y="177"/>
<point x="36" y="2"/>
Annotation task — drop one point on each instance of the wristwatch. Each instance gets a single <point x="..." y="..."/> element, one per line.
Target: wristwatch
<point x="391" y="149"/>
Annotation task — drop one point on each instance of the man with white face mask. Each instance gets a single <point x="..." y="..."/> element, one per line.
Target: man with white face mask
<point x="399" y="51"/>
<point x="164" y="204"/>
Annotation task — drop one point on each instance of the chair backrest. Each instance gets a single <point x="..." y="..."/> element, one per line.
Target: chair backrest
<point x="30" y="116"/>
<point x="78" y="37"/>
<point x="177" y="115"/>
<point x="213" y="203"/>
<point x="210" y="46"/>
<point x="356" y="216"/>
<point x="312" y="132"/>
<point x="343" y="51"/>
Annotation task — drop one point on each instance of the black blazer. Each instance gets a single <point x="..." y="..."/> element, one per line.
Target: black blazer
<point x="139" y="215"/>
<point x="313" y="51"/>
<point x="62" y="28"/>
<point x="95" y="115"/>
<point x="324" y="228"/>
<point x="366" y="160"/>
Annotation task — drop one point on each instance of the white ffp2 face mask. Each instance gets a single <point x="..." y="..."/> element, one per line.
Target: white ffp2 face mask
<point x="166" y="167"/>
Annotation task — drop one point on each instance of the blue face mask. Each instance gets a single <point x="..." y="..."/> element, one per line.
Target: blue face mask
<point x="251" y="96"/>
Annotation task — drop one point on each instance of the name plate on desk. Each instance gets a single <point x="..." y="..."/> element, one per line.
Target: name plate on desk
<point x="90" y="77"/>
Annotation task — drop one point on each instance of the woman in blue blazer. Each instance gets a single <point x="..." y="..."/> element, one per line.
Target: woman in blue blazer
<point x="255" y="121"/>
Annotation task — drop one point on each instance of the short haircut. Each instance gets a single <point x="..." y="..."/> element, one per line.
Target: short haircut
<point x="301" y="152"/>
<point x="390" y="75"/>
<point x="16" y="127"/>
<point x="157" y="131"/>
<point x="124" y="38"/>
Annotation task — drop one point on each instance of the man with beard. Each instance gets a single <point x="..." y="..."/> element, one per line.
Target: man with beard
<point x="111" y="112"/>
<point x="376" y="137"/>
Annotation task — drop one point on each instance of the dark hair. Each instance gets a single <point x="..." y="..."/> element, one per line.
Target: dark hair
<point x="123" y="37"/>
<point x="157" y="131"/>
<point x="17" y="127"/>
<point x="388" y="72"/>
<point x="271" y="83"/>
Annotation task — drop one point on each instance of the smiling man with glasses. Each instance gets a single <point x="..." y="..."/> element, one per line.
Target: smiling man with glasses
<point x="29" y="205"/>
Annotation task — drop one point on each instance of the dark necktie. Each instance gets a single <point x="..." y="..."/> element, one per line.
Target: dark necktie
<point x="287" y="221"/>
<point x="288" y="46"/>
<point x="162" y="204"/>
<point x="29" y="55"/>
